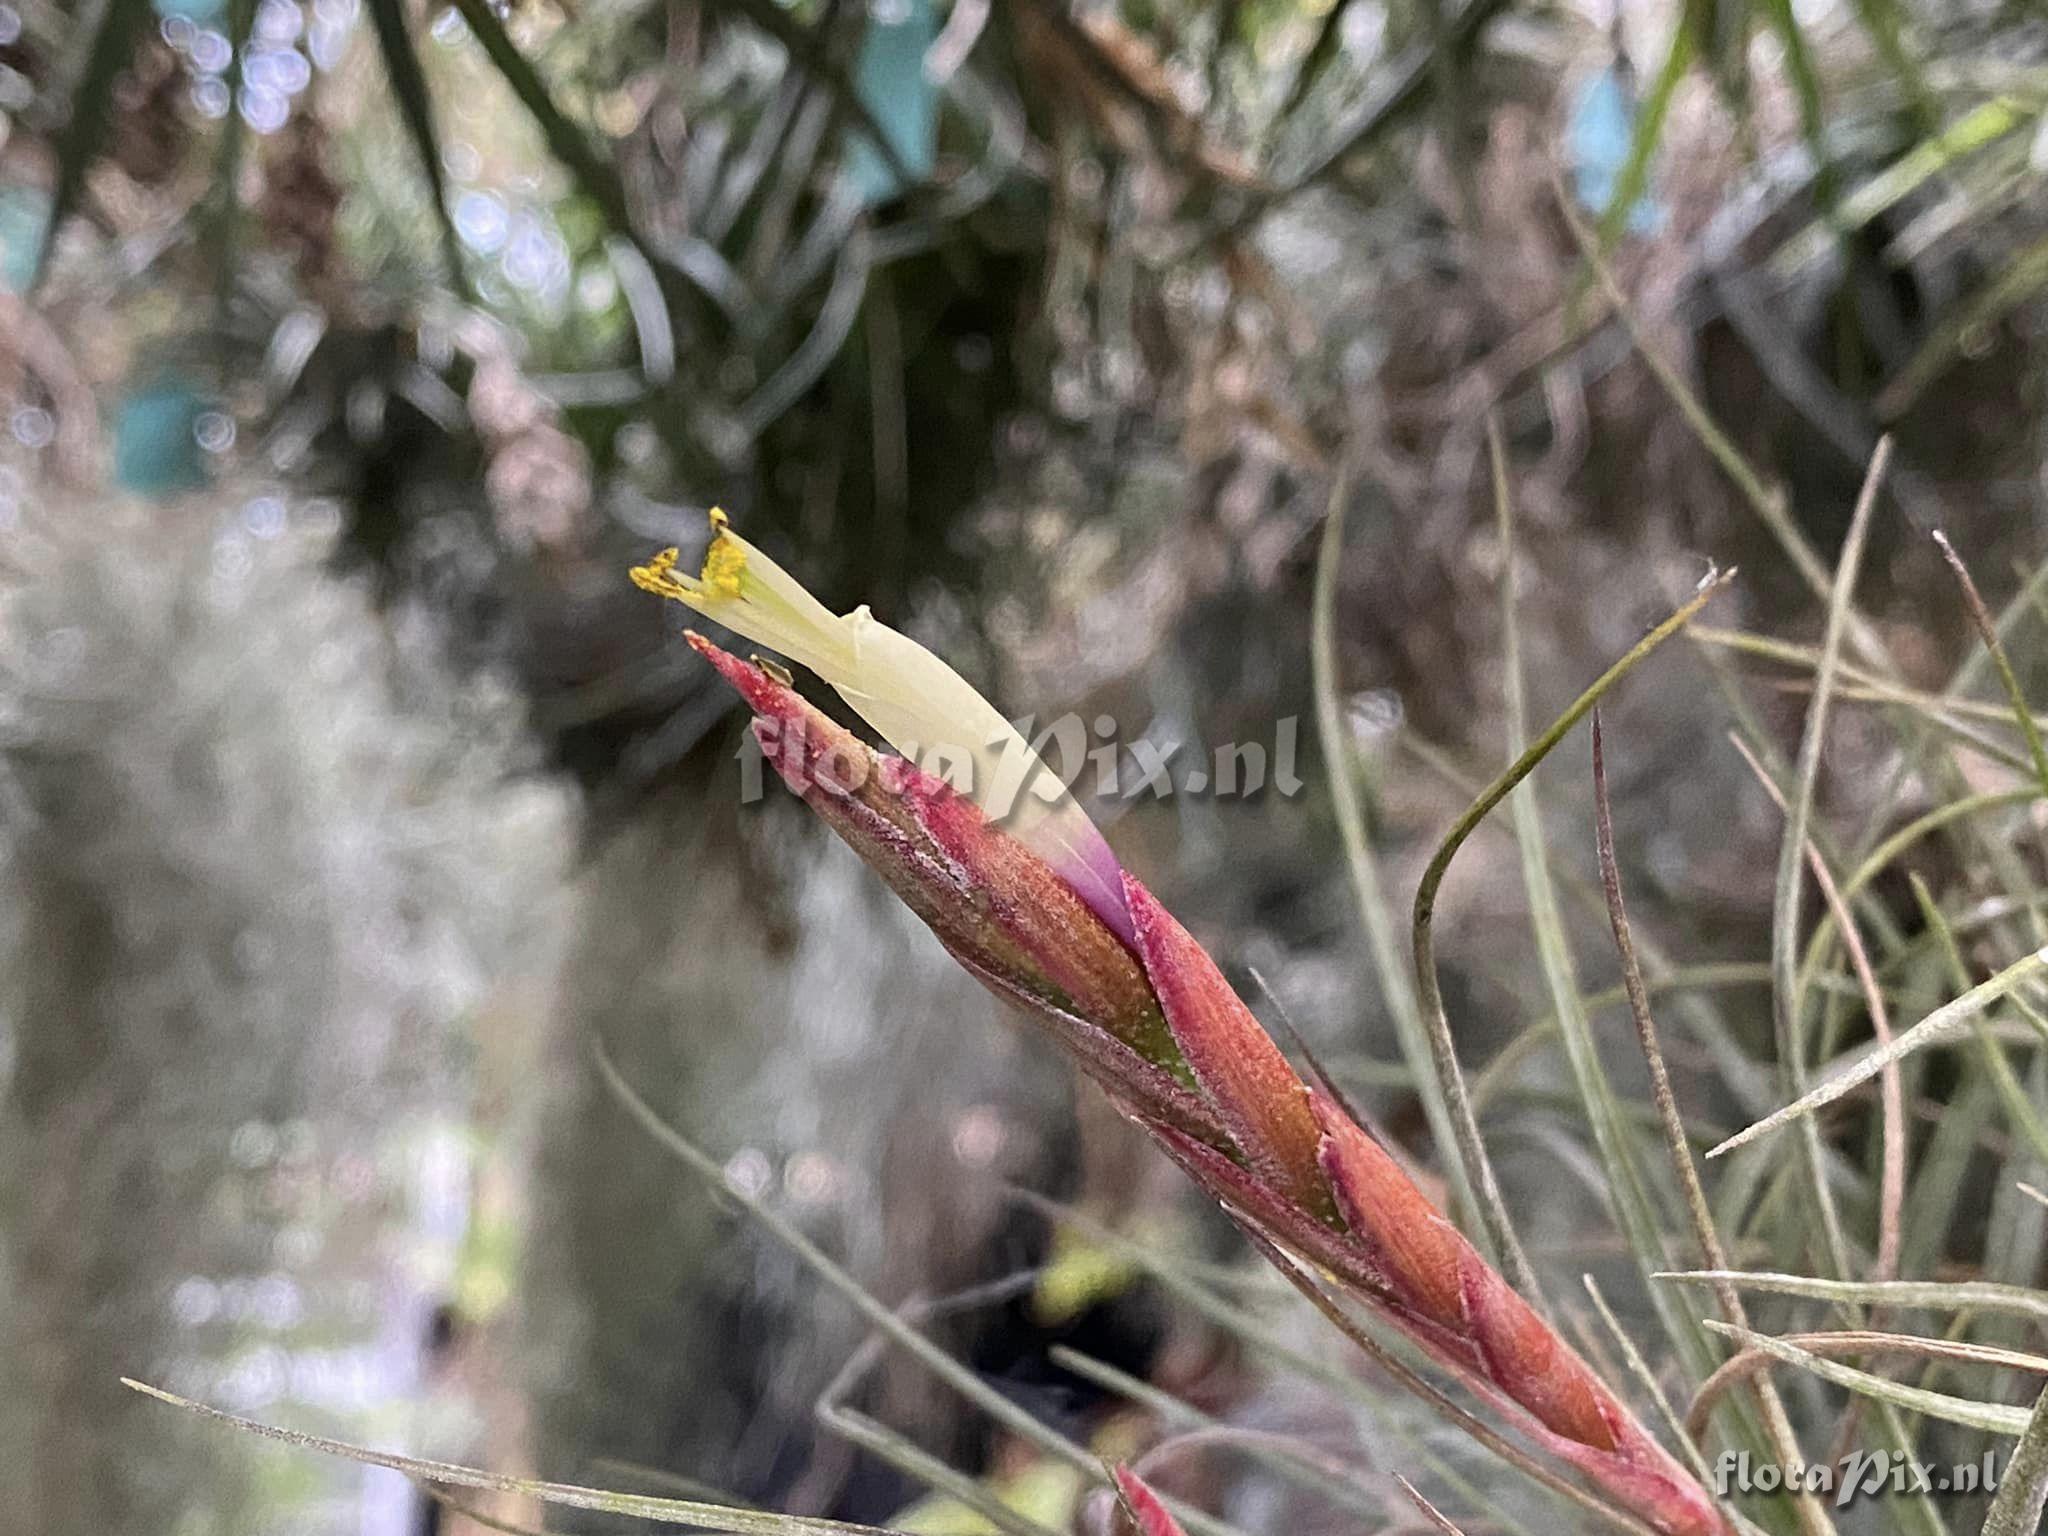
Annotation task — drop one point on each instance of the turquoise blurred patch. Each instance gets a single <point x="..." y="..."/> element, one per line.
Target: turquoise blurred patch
<point x="890" y="80"/>
<point x="24" y="219"/>
<point x="201" y="13"/>
<point x="156" y="441"/>
<point x="1597" y="139"/>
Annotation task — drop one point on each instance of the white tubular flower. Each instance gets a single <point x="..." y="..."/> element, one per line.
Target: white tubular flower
<point x="914" y="701"/>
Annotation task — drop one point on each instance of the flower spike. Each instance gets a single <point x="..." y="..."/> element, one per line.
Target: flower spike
<point x="1239" y="1067"/>
<point x="1148" y="1014"/>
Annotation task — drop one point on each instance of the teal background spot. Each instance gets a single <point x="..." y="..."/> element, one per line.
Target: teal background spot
<point x="202" y="13"/>
<point x="24" y="217"/>
<point x="156" y="452"/>
<point x="890" y="81"/>
<point x="1597" y="140"/>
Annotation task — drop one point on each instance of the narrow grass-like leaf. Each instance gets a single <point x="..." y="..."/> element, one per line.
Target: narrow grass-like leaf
<point x="639" y="1506"/>
<point x="1987" y="631"/>
<point x="1310" y="1285"/>
<point x="2019" y="280"/>
<point x="1943" y="1171"/>
<point x="416" y="105"/>
<point x="1894" y="1295"/>
<point x="897" y="1450"/>
<point x="1382" y="943"/>
<point x="1952" y="1021"/>
<point x="1892" y="1170"/>
<point x="1277" y="1345"/>
<point x="1776" y="1426"/>
<point x="1499" y="1073"/>
<point x="1785" y="901"/>
<point x="1638" y="1367"/>
<point x="1297" y="1462"/>
<point x="900" y="1452"/>
<point x="598" y="179"/>
<point x="1880" y="813"/>
<point x="1438" y="1521"/>
<point x="2017" y="1509"/>
<point x="2019" y="1109"/>
<point x="1651" y="114"/>
<point x="1998" y="1418"/>
<point x="1499" y="1229"/>
<point x="1630" y="1193"/>
<point x="1953" y="716"/>
<point x="113" y="43"/>
<point x="1982" y="125"/>
<point x="881" y="1317"/>
<point x="1768" y="505"/>
<point x="1886" y="853"/>
<point x="1676" y="1143"/>
<point x="1806" y="88"/>
<point x="1885" y="24"/>
<point x="1742" y="1077"/>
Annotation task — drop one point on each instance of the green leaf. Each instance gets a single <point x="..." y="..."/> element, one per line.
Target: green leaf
<point x="226" y="197"/>
<point x="1786" y="999"/>
<point x="1328" y="40"/>
<point x="910" y="1340"/>
<point x="415" y="104"/>
<point x="733" y="1520"/>
<point x="1896" y="1295"/>
<point x="1952" y="1021"/>
<point x="2019" y="280"/>
<point x="1629" y="185"/>
<point x="1630" y="1191"/>
<point x="1813" y="117"/>
<point x="1882" y="19"/>
<point x="595" y="176"/>
<point x="1981" y="126"/>
<point x="1499" y="1231"/>
<point x="2019" y="1109"/>
<point x="1997" y="1418"/>
<point x="92" y="112"/>
<point x="1382" y="943"/>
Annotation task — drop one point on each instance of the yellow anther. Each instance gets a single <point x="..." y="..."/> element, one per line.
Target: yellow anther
<point x="724" y="563"/>
<point x="719" y="520"/>
<point x="658" y="576"/>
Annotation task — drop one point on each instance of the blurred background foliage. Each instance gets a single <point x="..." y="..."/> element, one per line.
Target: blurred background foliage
<point x="353" y="348"/>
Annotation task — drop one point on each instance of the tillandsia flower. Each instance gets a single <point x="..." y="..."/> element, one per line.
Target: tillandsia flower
<point x="1044" y="916"/>
<point x="918" y="704"/>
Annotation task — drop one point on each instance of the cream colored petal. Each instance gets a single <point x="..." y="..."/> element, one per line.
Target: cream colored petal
<point x="912" y="698"/>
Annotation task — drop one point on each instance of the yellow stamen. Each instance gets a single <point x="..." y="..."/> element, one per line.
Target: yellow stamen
<point x="658" y="576"/>
<point x="725" y="562"/>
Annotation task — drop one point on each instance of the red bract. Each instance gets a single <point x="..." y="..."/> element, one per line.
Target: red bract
<point x="1155" y="1022"/>
<point x="1145" y="1513"/>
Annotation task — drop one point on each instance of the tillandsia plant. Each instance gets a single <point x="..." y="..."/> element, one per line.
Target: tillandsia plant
<point x="1020" y="887"/>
